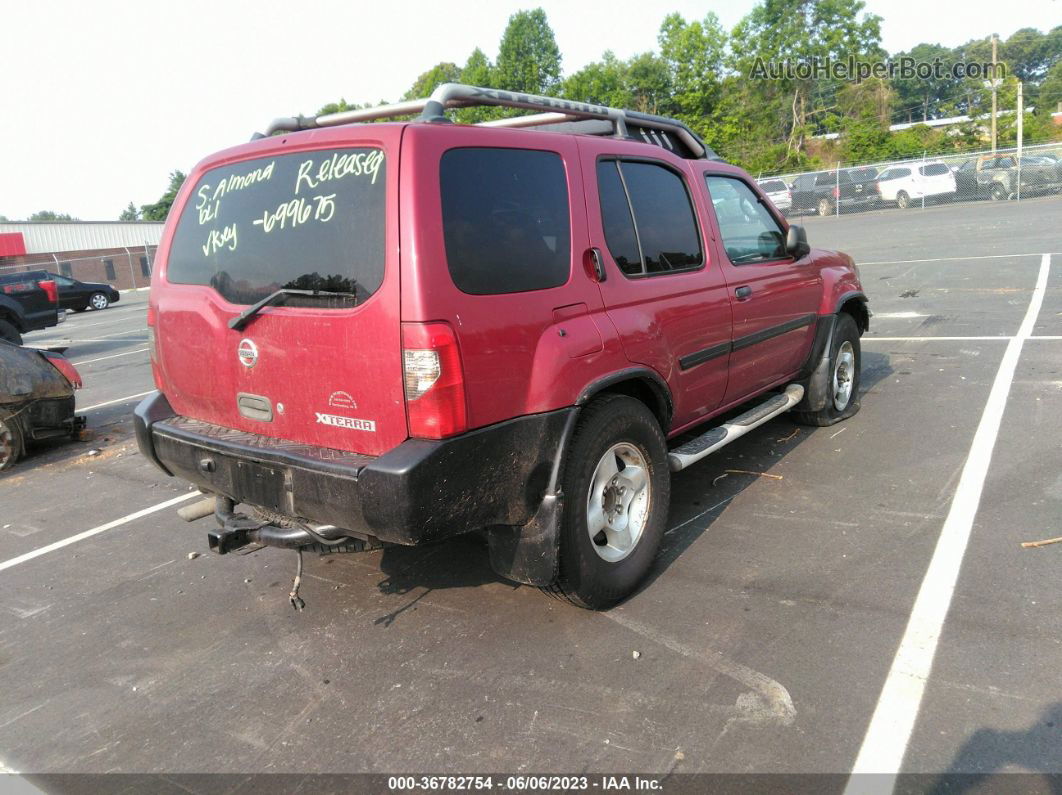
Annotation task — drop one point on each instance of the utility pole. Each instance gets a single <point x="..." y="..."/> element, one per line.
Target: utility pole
<point x="995" y="83"/>
<point x="1021" y="113"/>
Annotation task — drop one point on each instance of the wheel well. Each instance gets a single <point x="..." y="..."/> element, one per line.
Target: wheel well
<point x="857" y="308"/>
<point x="11" y="318"/>
<point x="648" y="392"/>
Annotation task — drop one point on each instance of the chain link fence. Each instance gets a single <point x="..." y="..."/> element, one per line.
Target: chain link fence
<point x="123" y="269"/>
<point x="1003" y="175"/>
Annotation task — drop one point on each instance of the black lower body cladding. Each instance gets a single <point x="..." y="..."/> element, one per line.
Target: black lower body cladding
<point x="421" y="491"/>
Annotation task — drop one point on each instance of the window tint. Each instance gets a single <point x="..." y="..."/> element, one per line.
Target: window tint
<point x="901" y="172"/>
<point x="1005" y="162"/>
<point x="933" y="170"/>
<point x="749" y="231"/>
<point x="667" y="230"/>
<point x="505" y="219"/>
<point x="862" y="174"/>
<point x="303" y="221"/>
<point x="620" y="237"/>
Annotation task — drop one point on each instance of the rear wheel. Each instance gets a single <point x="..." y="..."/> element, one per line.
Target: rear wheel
<point x="843" y="388"/>
<point x="9" y="333"/>
<point x="999" y="193"/>
<point x="903" y="201"/>
<point x="825" y="207"/>
<point x="10" y="440"/>
<point x="617" y="487"/>
<point x="99" y="301"/>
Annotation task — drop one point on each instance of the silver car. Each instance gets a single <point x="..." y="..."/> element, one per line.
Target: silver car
<point x="778" y="192"/>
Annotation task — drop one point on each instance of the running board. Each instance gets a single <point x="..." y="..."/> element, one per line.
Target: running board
<point x="694" y="450"/>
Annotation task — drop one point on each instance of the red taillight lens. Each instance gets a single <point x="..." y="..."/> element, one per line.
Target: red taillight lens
<point x="60" y="363"/>
<point x="434" y="381"/>
<point x="50" y="287"/>
<point x="836" y="193"/>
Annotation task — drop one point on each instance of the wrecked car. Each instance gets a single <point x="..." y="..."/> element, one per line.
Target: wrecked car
<point x="36" y="399"/>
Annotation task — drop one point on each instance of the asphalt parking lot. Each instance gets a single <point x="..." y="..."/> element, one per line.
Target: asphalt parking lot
<point x="794" y="562"/>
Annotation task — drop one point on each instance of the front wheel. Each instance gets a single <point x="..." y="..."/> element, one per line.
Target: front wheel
<point x="842" y="399"/>
<point x="99" y="301"/>
<point x="10" y="440"/>
<point x="825" y="207"/>
<point x="617" y="487"/>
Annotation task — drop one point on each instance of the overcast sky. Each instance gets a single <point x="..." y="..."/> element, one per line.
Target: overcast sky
<point x="102" y="99"/>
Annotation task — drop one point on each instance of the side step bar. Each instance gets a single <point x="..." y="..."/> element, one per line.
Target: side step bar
<point x="694" y="450"/>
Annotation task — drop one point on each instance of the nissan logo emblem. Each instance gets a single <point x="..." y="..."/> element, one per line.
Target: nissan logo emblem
<point x="247" y="352"/>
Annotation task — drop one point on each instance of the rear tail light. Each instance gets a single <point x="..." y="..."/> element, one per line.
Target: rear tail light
<point x="60" y="363"/>
<point x="51" y="288"/>
<point x="836" y="193"/>
<point x="434" y="381"/>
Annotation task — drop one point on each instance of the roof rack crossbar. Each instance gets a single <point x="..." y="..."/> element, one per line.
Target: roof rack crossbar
<point x="456" y="95"/>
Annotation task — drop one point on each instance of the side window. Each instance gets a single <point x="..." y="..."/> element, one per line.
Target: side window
<point x="901" y="172"/>
<point x="650" y="227"/>
<point x="749" y="231"/>
<point x="505" y="219"/>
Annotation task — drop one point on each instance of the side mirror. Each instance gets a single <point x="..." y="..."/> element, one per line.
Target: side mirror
<point x="796" y="242"/>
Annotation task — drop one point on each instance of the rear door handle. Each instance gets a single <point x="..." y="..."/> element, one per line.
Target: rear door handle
<point x="741" y="293"/>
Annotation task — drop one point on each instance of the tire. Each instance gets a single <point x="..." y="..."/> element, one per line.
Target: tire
<point x="845" y="362"/>
<point x="99" y="301"/>
<point x="903" y="201"/>
<point x="825" y="207"/>
<point x="598" y="572"/>
<point x="998" y="193"/>
<point x="10" y="440"/>
<point x="9" y="333"/>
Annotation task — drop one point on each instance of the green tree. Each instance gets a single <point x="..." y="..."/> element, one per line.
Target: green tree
<point x="130" y="213"/>
<point x="694" y="54"/>
<point x="1051" y="89"/>
<point x="601" y="82"/>
<point x="478" y="70"/>
<point x="160" y="209"/>
<point x="796" y="32"/>
<point x="649" y="83"/>
<point x="528" y="57"/>
<point x="427" y="82"/>
<point x="48" y="215"/>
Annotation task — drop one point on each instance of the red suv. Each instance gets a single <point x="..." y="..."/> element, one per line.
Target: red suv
<point x="393" y="333"/>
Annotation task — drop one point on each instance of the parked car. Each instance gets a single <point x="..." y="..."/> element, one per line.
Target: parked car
<point x="996" y="177"/>
<point x="914" y="181"/>
<point x="79" y="296"/>
<point x="778" y="192"/>
<point x="825" y="191"/>
<point x="29" y="301"/>
<point x="36" y="399"/>
<point x="500" y="355"/>
<point x="865" y="180"/>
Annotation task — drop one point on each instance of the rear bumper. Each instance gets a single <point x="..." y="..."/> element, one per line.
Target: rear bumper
<point x="418" y="492"/>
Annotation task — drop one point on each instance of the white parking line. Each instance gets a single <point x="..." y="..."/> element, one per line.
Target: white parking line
<point x="104" y="358"/>
<point x="950" y="259"/>
<point x="117" y="400"/>
<point x="885" y="743"/>
<point x="36" y="553"/>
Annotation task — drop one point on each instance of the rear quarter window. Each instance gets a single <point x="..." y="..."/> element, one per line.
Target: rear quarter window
<point x="506" y="221"/>
<point x="303" y="221"/>
<point x="934" y="170"/>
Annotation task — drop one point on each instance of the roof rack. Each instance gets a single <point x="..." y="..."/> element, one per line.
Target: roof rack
<point x="556" y="115"/>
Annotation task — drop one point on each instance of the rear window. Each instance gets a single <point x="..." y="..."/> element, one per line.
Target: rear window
<point x="862" y="174"/>
<point x="303" y="221"/>
<point x="934" y="170"/>
<point x="773" y="186"/>
<point x="505" y="219"/>
<point x="832" y="178"/>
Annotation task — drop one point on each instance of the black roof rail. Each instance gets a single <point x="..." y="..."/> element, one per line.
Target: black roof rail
<point x="559" y="115"/>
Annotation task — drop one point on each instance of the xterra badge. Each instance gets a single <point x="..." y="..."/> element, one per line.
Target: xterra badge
<point x="247" y="352"/>
<point x="346" y="422"/>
